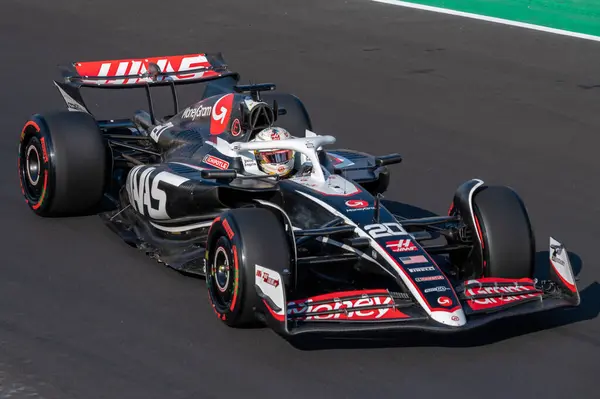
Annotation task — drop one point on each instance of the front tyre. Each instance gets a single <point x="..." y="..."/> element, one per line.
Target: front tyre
<point x="504" y="227"/>
<point x="239" y="240"/>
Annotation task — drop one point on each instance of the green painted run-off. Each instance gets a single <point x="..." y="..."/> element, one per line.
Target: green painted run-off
<point x="581" y="16"/>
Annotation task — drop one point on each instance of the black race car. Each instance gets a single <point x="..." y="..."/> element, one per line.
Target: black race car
<point x="317" y="251"/>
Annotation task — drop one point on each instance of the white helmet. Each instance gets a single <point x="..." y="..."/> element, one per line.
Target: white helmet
<point x="274" y="161"/>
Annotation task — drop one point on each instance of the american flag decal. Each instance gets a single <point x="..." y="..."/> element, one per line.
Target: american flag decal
<point x="410" y="260"/>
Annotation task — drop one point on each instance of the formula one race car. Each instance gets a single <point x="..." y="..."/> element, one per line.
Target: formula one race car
<point x="239" y="189"/>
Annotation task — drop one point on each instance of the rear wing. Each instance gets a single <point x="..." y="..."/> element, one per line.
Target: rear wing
<point x="140" y="73"/>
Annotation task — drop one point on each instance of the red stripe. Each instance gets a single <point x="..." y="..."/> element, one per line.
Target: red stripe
<point x="570" y="286"/>
<point x="275" y="315"/>
<point x="237" y="279"/>
<point x="212" y="225"/>
<point x="36" y="206"/>
<point x="343" y="294"/>
<point x="32" y="123"/>
<point x="478" y="227"/>
<point x="499" y="280"/>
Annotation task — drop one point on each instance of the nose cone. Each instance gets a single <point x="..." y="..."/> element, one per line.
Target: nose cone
<point x="455" y="319"/>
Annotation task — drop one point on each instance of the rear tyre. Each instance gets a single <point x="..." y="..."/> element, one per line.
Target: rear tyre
<point x="508" y="240"/>
<point x="62" y="163"/>
<point x="237" y="241"/>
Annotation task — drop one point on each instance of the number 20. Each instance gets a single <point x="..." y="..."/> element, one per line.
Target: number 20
<point x="384" y="230"/>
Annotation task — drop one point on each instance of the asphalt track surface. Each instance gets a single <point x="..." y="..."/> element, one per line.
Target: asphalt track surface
<point x="82" y="315"/>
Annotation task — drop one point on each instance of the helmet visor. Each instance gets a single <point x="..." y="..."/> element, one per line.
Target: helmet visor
<point x="279" y="156"/>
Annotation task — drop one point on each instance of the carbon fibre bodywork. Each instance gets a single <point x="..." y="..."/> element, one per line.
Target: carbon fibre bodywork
<point x="354" y="264"/>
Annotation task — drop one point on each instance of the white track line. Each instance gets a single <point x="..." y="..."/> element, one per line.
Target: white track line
<point x="490" y="19"/>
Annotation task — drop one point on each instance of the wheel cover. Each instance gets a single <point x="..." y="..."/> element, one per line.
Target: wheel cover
<point x="222" y="278"/>
<point x="32" y="165"/>
<point x="32" y="171"/>
<point x="222" y="270"/>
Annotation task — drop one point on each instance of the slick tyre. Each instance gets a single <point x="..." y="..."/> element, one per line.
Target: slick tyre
<point x="62" y="163"/>
<point x="238" y="240"/>
<point x="508" y="239"/>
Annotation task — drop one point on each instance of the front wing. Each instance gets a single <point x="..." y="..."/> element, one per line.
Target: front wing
<point x="483" y="301"/>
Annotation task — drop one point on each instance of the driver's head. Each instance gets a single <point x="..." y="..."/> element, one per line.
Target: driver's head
<point x="273" y="161"/>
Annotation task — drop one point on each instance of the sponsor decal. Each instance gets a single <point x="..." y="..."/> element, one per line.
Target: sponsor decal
<point x="249" y="163"/>
<point x="357" y="203"/>
<point x="339" y="161"/>
<point x="515" y="293"/>
<point x="494" y="281"/>
<point x="199" y="112"/>
<point x="71" y="105"/>
<point x="369" y="208"/>
<point x="221" y="112"/>
<point x="409" y="260"/>
<point x="160" y="129"/>
<point x="404" y="245"/>
<point x="138" y="67"/>
<point x="236" y="127"/>
<point x="44" y="151"/>
<point x="436" y="289"/>
<point x="269" y="282"/>
<point x="227" y="228"/>
<point x="560" y="265"/>
<point x="558" y="260"/>
<point x="455" y="318"/>
<point x="557" y="249"/>
<point x="250" y="103"/>
<point x="349" y="309"/>
<point x="147" y="194"/>
<point x="444" y="301"/>
<point x="267" y="279"/>
<point x="429" y="278"/>
<point x="335" y="160"/>
<point x="216" y="162"/>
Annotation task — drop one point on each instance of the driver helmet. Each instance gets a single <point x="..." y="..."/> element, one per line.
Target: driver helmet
<point x="274" y="161"/>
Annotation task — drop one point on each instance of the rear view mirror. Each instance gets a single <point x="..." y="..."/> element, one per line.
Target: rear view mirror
<point x="227" y="174"/>
<point x="390" y="159"/>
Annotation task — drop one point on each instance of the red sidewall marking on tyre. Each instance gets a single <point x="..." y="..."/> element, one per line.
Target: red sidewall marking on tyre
<point x="44" y="188"/>
<point x="28" y="124"/>
<point x="236" y="279"/>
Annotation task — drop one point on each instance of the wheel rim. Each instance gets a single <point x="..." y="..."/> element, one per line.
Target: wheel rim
<point x="222" y="270"/>
<point x="222" y="278"/>
<point x="31" y="170"/>
<point x="33" y="165"/>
